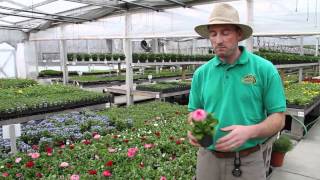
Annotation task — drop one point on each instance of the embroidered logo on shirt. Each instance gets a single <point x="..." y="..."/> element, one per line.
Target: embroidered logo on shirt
<point x="249" y="79"/>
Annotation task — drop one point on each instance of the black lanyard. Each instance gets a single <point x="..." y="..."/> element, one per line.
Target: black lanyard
<point x="236" y="172"/>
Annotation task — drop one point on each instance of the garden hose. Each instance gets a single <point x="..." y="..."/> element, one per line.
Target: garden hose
<point x="301" y="123"/>
<point x="312" y="122"/>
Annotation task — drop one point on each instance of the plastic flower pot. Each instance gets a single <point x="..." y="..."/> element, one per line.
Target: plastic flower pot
<point x="277" y="159"/>
<point x="206" y="141"/>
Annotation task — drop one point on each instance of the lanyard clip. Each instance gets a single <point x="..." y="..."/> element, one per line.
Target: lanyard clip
<point x="236" y="172"/>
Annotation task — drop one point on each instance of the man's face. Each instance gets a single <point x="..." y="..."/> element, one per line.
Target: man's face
<point x="224" y="39"/>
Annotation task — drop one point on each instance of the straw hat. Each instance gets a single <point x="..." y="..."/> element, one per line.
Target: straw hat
<point x="224" y="14"/>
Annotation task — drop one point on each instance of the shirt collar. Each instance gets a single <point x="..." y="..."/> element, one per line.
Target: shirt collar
<point x="243" y="59"/>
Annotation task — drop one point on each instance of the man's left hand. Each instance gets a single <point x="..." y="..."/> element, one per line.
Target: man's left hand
<point x="237" y="136"/>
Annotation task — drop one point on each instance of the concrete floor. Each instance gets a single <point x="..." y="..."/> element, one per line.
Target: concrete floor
<point x="303" y="162"/>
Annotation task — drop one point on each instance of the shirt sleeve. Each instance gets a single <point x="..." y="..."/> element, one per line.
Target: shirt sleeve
<point x="195" y="93"/>
<point x="274" y="96"/>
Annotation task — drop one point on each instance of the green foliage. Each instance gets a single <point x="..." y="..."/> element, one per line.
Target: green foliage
<point x="101" y="56"/>
<point x="302" y="93"/>
<point x="286" y="58"/>
<point x="283" y="144"/>
<point x="108" y="56"/>
<point x="115" y="56"/>
<point x="162" y="125"/>
<point x="87" y="57"/>
<point x="71" y="56"/>
<point x="94" y="56"/>
<point x="38" y="98"/>
<point x="164" y="87"/>
<point x="122" y="56"/>
<point x="206" y="127"/>
<point x="142" y="57"/>
<point x="16" y="83"/>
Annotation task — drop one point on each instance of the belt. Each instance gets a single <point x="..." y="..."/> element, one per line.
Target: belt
<point x="242" y="153"/>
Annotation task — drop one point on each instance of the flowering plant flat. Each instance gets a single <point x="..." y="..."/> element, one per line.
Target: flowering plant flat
<point x="203" y="125"/>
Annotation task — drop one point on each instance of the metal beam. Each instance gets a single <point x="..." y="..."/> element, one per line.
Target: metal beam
<point x="178" y="2"/>
<point x="34" y="17"/>
<point x="140" y="5"/>
<point x="94" y="3"/>
<point x="13" y="27"/>
<point x="48" y="14"/>
<point x="15" y="3"/>
<point x="36" y="5"/>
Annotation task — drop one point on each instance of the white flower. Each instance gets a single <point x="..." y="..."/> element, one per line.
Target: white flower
<point x="156" y="124"/>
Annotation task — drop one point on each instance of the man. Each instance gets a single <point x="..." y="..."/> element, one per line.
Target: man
<point x="244" y="92"/>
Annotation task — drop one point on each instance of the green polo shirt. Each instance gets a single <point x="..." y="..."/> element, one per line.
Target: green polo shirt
<point x="243" y="93"/>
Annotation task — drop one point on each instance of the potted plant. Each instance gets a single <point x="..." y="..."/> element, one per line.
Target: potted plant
<point x="280" y="147"/>
<point x="94" y="56"/>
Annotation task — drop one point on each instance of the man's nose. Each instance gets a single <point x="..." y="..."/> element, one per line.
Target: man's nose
<point x="219" y="39"/>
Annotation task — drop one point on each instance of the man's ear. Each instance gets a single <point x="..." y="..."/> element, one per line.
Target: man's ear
<point x="240" y="34"/>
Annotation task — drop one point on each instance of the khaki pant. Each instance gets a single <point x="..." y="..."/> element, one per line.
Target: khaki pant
<point x="209" y="167"/>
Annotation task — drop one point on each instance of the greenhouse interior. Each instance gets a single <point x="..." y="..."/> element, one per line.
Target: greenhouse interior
<point x="105" y="89"/>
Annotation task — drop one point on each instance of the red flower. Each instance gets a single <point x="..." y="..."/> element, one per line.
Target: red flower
<point x="35" y="147"/>
<point x="71" y="146"/>
<point x="29" y="164"/>
<point x="49" y="150"/>
<point x="106" y="173"/>
<point x="8" y="165"/>
<point x="94" y="133"/>
<point x="115" y="136"/>
<point x="39" y="175"/>
<point x="5" y="174"/>
<point x="86" y="142"/>
<point x="157" y="133"/>
<point x="109" y="163"/>
<point x="141" y="165"/>
<point x="126" y="140"/>
<point x="178" y="142"/>
<point x="92" y="172"/>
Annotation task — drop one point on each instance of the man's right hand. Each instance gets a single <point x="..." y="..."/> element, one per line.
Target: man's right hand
<point x="193" y="140"/>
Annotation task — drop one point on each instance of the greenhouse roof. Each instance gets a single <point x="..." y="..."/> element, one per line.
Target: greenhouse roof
<point x="30" y="15"/>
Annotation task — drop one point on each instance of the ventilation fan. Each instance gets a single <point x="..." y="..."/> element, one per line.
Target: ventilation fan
<point x="144" y="45"/>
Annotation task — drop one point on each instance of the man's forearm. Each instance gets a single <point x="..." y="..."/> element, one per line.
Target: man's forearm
<point x="271" y="125"/>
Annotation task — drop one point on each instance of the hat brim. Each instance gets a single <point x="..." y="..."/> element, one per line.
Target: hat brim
<point x="203" y="31"/>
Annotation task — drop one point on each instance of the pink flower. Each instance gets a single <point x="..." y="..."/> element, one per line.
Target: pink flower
<point x="148" y="146"/>
<point x="64" y="164"/>
<point x="75" y="177"/>
<point x="163" y="178"/>
<point x="106" y="173"/>
<point x="112" y="150"/>
<point x="5" y="174"/>
<point x="62" y="146"/>
<point x="18" y="160"/>
<point x="34" y="155"/>
<point x="199" y="115"/>
<point x="97" y="137"/>
<point x="132" y="152"/>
